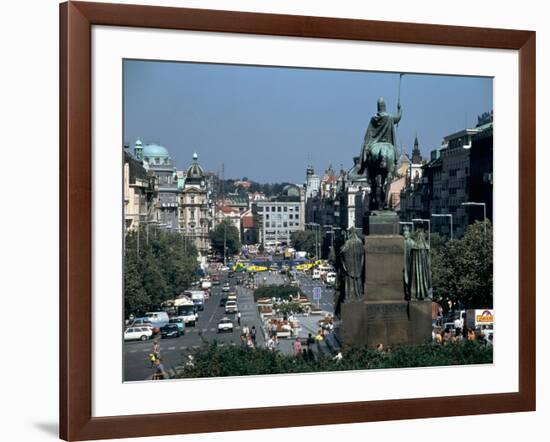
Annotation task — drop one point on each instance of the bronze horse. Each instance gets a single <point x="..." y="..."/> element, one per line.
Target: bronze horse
<point x="379" y="162"/>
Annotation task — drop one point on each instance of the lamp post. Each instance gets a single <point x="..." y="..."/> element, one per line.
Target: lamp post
<point x="424" y="220"/>
<point x="471" y="203"/>
<point x="446" y="215"/>
<point x="317" y="227"/>
<point x="332" y="233"/>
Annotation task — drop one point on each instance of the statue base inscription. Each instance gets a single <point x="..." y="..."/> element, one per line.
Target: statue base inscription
<point x="386" y="322"/>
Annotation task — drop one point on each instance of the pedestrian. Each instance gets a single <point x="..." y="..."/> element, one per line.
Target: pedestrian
<point x="380" y="347"/>
<point x="297" y="347"/>
<point x="152" y="359"/>
<point x="318" y="339"/>
<point x="250" y="343"/>
<point x="160" y="373"/>
<point x="239" y="318"/>
<point x="253" y="334"/>
<point x="243" y="341"/>
<point x="447" y="336"/>
<point x="270" y="345"/>
<point x="156" y="349"/>
<point x="471" y="335"/>
<point x="310" y="342"/>
<point x="338" y="357"/>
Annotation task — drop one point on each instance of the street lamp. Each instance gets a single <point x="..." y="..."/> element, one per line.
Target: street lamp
<point x="444" y="215"/>
<point x="317" y="244"/>
<point x="332" y="233"/>
<point x="424" y="220"/>
<point x="471" y="203"/>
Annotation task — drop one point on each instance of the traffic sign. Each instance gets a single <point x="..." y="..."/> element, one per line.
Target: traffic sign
<point x="316" y="293"/>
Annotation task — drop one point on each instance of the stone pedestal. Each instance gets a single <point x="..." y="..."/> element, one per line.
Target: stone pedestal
<point x="420" y="322"/>
<point x="382" y="222"/>
<point x="383" y="316"/>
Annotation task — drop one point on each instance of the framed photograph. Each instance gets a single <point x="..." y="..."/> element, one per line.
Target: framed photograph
<point x="274" y="220"/>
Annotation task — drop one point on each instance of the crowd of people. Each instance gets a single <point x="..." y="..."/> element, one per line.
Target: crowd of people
<point x="248" y="336"/>
<point x="448" y="335"/>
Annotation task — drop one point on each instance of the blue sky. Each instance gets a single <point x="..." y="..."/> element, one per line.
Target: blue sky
<point x="268" y="123"/>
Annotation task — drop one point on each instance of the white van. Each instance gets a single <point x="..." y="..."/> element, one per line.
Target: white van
<point x="158" y="319"/>
<point x="331" y="278"/>
<point x="316" y="274"/>
<point x="198" y="297"/>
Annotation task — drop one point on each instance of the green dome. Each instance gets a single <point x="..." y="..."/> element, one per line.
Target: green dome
<point x="155" y="151"/>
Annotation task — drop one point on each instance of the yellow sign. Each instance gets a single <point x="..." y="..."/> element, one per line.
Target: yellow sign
<point x="486" y="317"/>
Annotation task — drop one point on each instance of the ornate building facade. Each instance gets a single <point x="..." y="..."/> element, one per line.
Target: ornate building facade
<point x="195" y="218"/>
<point x="158" y="164"/>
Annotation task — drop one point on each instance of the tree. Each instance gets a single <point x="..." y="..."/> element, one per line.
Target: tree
<point x="462" y="270"/>
<point x="304" y="240"/>
<point x="136" y="298"/>
<point x="225" y="234"/>
<point x="158" y="265"/>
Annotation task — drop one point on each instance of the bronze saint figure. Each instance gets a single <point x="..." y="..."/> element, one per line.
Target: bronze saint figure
<point x="353" y="260"/>
<point x="407" y="267"/>
<point x="421" y="278"/>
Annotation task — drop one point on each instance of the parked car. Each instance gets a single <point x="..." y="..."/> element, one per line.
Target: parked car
<point x="170" y="331"/>
<point x="180" y="322"/>
<point x="145" y="322"/>
<point x="158" y="319"/>
<point x="231" y="306"/>
<point x="137" y="333"/>
<point x="225" y="325"/>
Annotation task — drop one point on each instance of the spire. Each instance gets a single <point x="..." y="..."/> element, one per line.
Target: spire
<point x="416" y="157"/>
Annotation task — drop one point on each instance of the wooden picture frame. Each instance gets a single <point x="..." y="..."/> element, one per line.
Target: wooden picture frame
<point x="76" y="20"/>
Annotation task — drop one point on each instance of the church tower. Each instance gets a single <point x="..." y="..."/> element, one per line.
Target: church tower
<point x="416" y="157"/>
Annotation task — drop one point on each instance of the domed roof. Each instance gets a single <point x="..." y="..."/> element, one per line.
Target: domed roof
<point x="291" y="190"/>
<point x="155" y="151"/>
<point x="195" y="171"/>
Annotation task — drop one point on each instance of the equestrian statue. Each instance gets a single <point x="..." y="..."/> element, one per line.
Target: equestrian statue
<point x="379" y="154"/>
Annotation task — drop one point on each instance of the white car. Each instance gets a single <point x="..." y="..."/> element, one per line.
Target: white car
<point x="225" y="325"/>
<point x="231" y="307"/>
<point x="137" y="333"/>
<point x="226" y="288"/>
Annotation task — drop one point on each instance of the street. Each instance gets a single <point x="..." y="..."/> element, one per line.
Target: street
<point x="174" y="351"/>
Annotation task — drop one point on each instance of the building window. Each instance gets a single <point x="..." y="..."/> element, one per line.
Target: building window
<point x="278" y="208"/>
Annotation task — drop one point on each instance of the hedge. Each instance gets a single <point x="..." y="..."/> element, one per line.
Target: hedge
<point x="212" y="360"/>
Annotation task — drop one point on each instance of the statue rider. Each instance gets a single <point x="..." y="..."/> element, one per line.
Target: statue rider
<point x="379" y="154"/>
